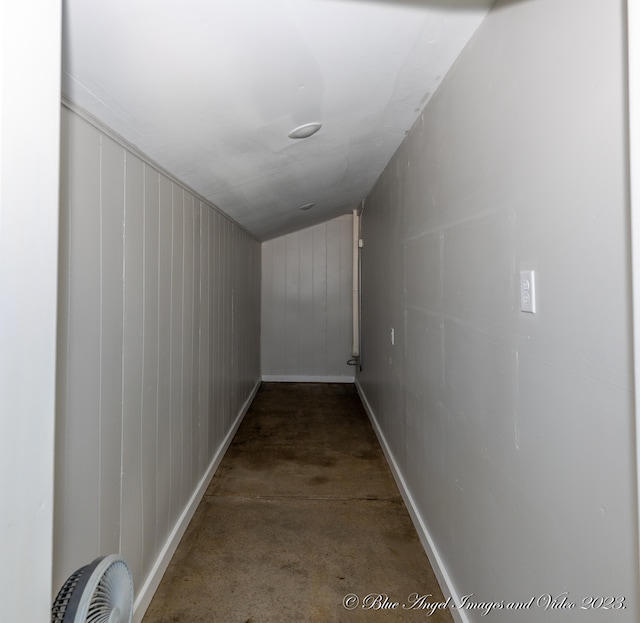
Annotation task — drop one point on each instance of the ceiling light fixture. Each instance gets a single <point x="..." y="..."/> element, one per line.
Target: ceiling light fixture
<point x="305" y="131"/>
<point x="307" y="206"/>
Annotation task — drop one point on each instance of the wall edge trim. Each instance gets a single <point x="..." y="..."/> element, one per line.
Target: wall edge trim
<point x="150" y="585"/>
<point x="289" y="378"/>
<point x="633" y="99"/>
<point x="442" y="575"/>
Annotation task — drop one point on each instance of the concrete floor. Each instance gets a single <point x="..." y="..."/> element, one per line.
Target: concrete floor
<point x="302" y="512"/>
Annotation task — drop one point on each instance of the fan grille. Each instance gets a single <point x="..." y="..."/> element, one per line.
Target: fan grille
<point x="64" y="595"/>
<point x="101" y="592"/>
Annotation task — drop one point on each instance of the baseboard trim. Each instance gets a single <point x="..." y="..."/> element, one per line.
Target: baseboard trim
<point x="448" y="589"/>
<point x="148" y="589"/>
<point x="287" y="378"/>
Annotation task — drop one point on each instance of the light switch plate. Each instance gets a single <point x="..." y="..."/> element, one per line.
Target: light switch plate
<point x="528" y="291"/>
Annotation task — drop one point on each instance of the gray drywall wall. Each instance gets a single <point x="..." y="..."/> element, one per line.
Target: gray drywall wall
<point x="513" y="433"/>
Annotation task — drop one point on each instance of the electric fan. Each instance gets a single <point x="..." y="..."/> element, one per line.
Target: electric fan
<point x="100" y="592"/>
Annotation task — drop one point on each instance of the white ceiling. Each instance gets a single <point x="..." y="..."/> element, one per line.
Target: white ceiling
<point x="210" y="89"/>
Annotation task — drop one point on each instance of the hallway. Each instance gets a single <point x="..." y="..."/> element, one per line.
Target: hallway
<point x="302" y="512"/>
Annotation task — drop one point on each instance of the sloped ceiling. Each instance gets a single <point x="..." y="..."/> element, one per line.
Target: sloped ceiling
<point x="210" y="90"/>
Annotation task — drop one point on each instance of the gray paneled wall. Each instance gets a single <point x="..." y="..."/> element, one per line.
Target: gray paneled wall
<point x="158" y="351"/>
<point x="512" y="433"/>
<point x="306" y="304"/>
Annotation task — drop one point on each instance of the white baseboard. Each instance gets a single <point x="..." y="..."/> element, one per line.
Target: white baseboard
<point x="286" y="378"/>
<point x="448" y="589"/>
<point x="148" y="589"/>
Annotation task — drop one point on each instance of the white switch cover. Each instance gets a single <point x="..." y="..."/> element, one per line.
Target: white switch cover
<point x="528" y="291"/>
<point x="393" y="337"/>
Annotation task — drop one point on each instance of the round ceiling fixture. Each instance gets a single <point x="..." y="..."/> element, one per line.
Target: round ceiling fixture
<point x="305" y="131"/>
<point x="307" y="206"/>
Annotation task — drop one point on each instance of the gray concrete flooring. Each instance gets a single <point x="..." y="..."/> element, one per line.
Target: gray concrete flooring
<point x="302" y="512"/>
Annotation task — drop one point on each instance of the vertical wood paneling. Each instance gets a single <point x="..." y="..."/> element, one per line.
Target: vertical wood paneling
<point x="306" y="303"/>
<point x="131" y="511"/>
<point x="216" y="341"/>
<point x="111" y="332"/>
<point x="158" y="350"/>
<point x="163" y="459"/>
<point x="196" y="463"/>
<point x="235" y="315"/>
<point x="277" y="319"/>
<point x="80" y="530"/>
<point x="305" y="298"/>
<point x="225" y="303"/>
<point x="216" y="321"/>
<point x="346" y="284"/>
<point x="267" y="305"/>
<point x="254" y="278"/>
<point x="213" y="334"/>
<point x="221" y="329"/>
<point x="229" y="348"/>
<point x="319" y="281"/>
<point x="187" y="348"/>
<point x="149" y="427"/>
<point x="203" y="337"/>
<point x="177" y="343"/>
<point x="335" y="268"/>
<point x="292" y="302"/>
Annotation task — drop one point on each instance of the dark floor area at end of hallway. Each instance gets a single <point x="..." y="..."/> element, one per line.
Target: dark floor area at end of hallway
<point x="301" y="522"/>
